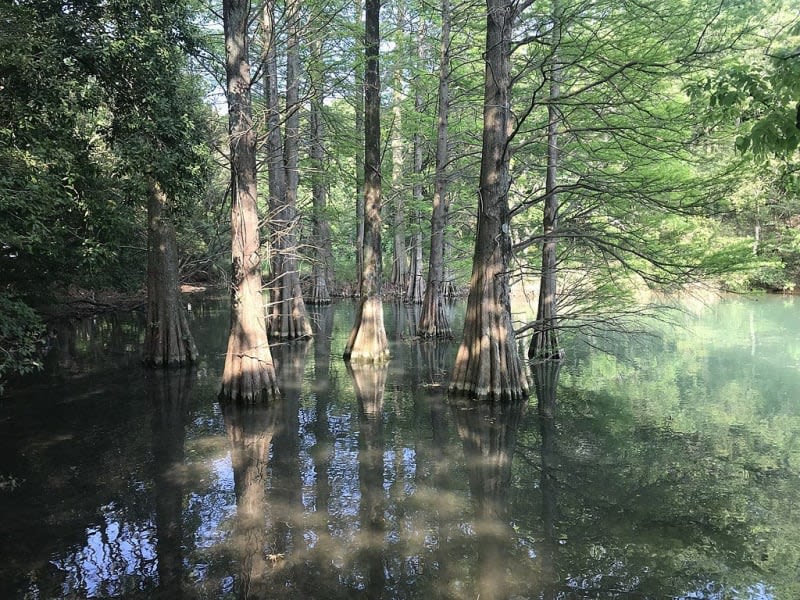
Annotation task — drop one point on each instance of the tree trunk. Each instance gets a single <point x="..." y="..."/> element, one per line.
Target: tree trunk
<point x="359" y="158"/>
<point x="323" y="263"/>
<point x="276" y="174"/>
<point x="544" y="344"/>
<point x="415" y="287"/>
<point x="399" y="271"/>
<point x="488" y="365"/>
<point x="167" y="340"/>
<point x="287" y="309"/>
<point x="434" y="322"/>
<point x="368" y="342"/>
<point x="249" y="373"/>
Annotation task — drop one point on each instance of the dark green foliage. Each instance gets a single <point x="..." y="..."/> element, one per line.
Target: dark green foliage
<point x="20" y="338"/>
<point x="93" y="99"/>
<point x="59" y="211"/>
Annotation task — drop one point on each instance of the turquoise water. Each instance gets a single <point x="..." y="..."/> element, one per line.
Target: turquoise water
<point x="667" y="467"/>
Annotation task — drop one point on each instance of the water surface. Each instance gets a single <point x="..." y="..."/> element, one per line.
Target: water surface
<point x="667" y="468"/>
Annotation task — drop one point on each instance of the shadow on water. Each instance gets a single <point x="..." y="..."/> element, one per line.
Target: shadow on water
<point x="666" y="473"/>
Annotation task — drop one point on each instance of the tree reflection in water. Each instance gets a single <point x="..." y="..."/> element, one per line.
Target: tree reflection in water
<point x="545" y="381"/>
<point x="135" y="549"/>
<point x="649" y="480"/>
<point x="170" y="392"/>
<point x="250" y="431"/>
<point x="369" y="383"/>
<point x="488" y="432"/>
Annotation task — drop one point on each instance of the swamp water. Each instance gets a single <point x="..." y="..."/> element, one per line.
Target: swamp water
<point x="668" y="468"/>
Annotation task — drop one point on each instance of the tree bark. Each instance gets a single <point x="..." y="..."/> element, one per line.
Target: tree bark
<point x="249" y="373"/>
<point x="433" y="321"/>
<point x="488" y="365"/>
<point x="368" y="342"/>
<point x="399" y="271"/>
<point x="415" y="287"/>
<point x="168" y="342"/>
<point x="544" y="343"/>
<point x="276" y="174"/>
<point x="359" y="158"/>
<point x="323" y="264"/>
<point x="287" y="309"/>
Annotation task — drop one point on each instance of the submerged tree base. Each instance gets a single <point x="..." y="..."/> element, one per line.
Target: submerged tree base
<point x="368" y="342"/>
<point x="252" y="380"/>
<point x="434" y="322"/>
<point x="488" y="365"/>
<point x="545" y="346"/>
<point x="170" y="349"/>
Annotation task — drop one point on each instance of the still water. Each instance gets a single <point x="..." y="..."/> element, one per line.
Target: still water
<point x="668" y="467"/>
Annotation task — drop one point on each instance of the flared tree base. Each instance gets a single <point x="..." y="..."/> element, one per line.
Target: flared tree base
<point x="320" y="295"/>
<point x="251" y="381"/>
<point x="368" y="342"/>
<point x="545" y="346"/>
<point x="433" y="321"/>
<point x="289" y="321"/>
<point x="488" y="365"/>
<point x="169" y="344"/>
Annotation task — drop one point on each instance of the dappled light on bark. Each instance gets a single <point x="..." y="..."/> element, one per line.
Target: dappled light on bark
<point x="488" y="364"/>
<point x="249" y="374"/>
<point x="168" y="342"/>
<point x="368" y="342"/>
<point x="544" y="344"/>
<point x="287" y="312"/>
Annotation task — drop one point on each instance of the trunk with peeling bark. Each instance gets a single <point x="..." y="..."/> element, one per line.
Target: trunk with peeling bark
<point x="545" y="344"/>
<point x="433" y="321"/>
<point x="323" y="263"/>
<point x="249" y="373"/>
<point x="287" y="318"/>
<point x="368" y="342"/>
<point x="488" y="365"/>
<point x="168" y="342"/>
